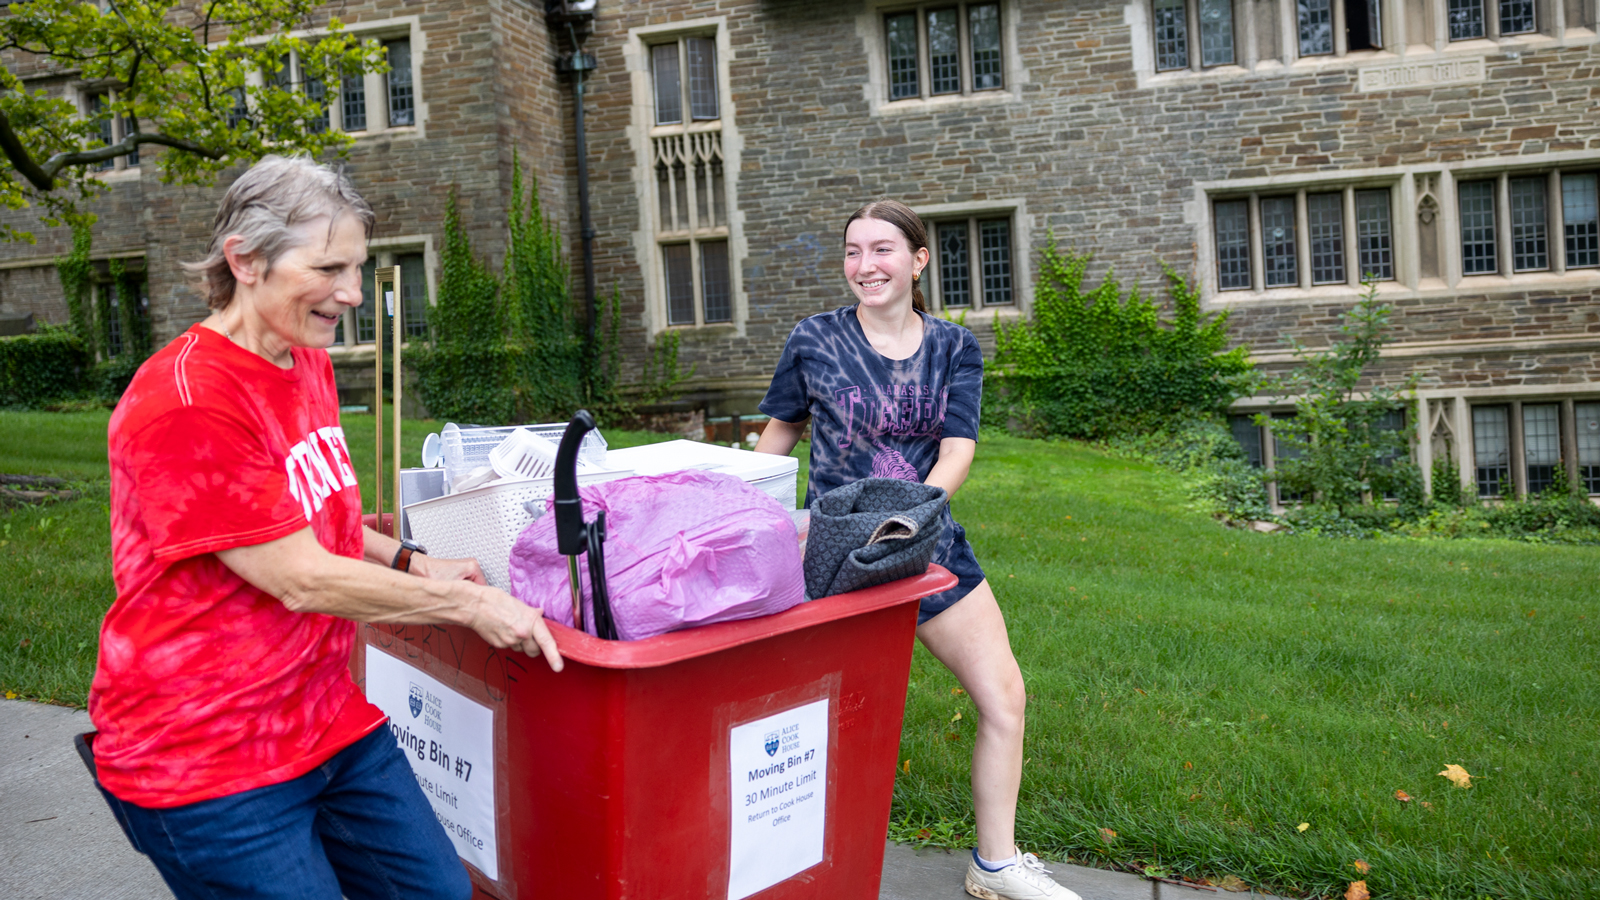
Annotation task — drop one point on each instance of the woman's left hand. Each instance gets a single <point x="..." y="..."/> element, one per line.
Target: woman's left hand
<point x="447" y="569"/>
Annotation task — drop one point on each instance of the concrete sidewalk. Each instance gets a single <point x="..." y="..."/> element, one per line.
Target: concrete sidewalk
<point x="59" y="842"/>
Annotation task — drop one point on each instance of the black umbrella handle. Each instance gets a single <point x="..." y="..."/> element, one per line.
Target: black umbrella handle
<point x="571" y="534"/>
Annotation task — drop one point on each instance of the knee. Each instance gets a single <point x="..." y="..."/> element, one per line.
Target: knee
<point x="1007" y="707"/>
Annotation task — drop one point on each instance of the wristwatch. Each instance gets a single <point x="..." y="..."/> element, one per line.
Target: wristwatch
<point x="402" y="557"/>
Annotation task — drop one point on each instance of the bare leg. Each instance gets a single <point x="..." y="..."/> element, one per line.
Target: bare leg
<point x="970" y="639"/>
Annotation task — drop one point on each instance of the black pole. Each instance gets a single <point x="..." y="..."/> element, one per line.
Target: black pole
<point x="582" y="62"/>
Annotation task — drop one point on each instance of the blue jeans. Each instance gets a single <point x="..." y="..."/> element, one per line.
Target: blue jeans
<point x="357" y="825"/>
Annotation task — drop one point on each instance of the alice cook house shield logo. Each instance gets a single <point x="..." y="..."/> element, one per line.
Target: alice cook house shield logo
<point x="414" y="701"/>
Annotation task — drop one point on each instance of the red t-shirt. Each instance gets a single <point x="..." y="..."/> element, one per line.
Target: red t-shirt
<point x="207" y="686"/>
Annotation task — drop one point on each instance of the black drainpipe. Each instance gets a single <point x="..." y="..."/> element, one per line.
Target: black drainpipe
<point x="579" y="25"/>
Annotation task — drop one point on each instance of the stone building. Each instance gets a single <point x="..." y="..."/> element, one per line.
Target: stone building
<point x="1279" y="149"/>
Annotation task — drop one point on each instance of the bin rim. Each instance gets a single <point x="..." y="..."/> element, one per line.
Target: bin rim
<point x="677" y="646"/>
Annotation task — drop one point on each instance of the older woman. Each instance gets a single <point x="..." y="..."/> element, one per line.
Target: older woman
<point x="233" y="743"/>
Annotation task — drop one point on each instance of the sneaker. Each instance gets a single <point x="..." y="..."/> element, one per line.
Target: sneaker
<point x="1025" y="880"/>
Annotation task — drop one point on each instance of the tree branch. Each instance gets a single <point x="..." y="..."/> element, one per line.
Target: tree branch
<point x="121" y="148"/>
<point x="20" y="160"/>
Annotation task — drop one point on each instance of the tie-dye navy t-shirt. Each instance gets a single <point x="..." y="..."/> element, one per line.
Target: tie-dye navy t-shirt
<point x="872" y="416"/>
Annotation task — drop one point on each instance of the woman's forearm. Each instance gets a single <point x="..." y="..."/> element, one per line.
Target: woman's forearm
<point x="779" y="437"/>
<point x="955" y="461"/>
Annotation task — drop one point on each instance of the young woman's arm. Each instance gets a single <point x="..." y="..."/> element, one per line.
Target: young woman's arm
<point x="779" y="438"/>
<point x="955" y="461"/>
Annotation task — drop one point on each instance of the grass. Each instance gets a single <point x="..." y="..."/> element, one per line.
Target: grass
<point x="1198" y="691"/>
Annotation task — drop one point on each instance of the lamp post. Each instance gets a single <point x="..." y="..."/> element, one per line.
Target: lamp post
<point x="576" y="18"/>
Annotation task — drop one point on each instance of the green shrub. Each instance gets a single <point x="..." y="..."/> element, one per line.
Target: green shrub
<point x="1219" y="478"/>
<point x="1233" y="490"/>
<point x="36" y="369"/>
<point x="110" y="378"/>
<point x="1556" y="510"/>
<point x="1098" y="363"/>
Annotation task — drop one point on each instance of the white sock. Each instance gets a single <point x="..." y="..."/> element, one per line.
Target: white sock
<point x="996" y="866"/>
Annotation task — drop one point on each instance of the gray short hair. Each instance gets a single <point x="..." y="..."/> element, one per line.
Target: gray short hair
<point x="264" y="205"/>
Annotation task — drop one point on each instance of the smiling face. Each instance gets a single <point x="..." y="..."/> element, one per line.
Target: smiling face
<point x="300" y="301"/>
<point x="879" y="262"/>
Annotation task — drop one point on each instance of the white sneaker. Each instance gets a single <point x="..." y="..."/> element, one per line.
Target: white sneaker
<point x="1024" y="880"/>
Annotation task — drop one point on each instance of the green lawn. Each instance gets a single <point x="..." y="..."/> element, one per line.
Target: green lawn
<point x="1199" y="691"/>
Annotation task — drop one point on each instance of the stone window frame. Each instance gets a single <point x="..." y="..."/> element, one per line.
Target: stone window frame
<point x="964" y="74"/>
<point x="651" y="239"/>
<point x="872" y="32"/>
<point x="385" y="251"/>
<point x="85" y="95"/>
<point x="1501" y="173"/>
<point x="375" y="85"/>
<point x="1414" y="30"/>
<point x="1015" y="210"/>
<point x="1517" y="470"/>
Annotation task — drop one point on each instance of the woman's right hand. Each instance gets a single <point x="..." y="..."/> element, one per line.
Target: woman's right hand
<point x="508" y="623"/>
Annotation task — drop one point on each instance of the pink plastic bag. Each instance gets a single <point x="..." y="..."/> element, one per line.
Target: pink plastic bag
<point x="682" y="549"/>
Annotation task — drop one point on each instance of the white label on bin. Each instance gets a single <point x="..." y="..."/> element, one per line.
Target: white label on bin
<point x="449" y="740"/>
<point x="780" y="797"/>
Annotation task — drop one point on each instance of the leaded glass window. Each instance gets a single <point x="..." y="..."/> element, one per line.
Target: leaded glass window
<point x="402" y="102"/>
<point x="1286" y="450"/>
<point x="1466" y="19"/>
<point x="1248" y="434"/>
<point x="1516" y="16"/>
<point x="994" y="239"/>
<point x="413" y="294"/>
<point x="1588" y="434"/>
<point x="902" y="29"/>
<point x="955" y="266"/>
<point x="353" y="104"/>
<point x="680" y="284"/>
<point x="983" y="27"/>
<point x="366" y="322"/>
<point x="1216" y="32"/>
<point x="103" y="127"/>
<point x="714" y="281"/>
<point x="1477" y="228"/>
<point x="317" y="93"/>
<point x="1541" y="445"/>
<point x="1278" y="254"/>
<point x="668" y="84"/>
<point x="1529" y="241"/>
<point x="1491" y="448"/>
<point x="1172" y="35"/>
<point x="1316" y="27"/>
<point x="239" y="111"/>
<point x="1580" y="220"/>
<point x="702" y="53"/>
<point x="1233" y="244"/>
<point x="1325" y="218"/>
<point x="944" y="51"/>
<point x="1374" y="235"/>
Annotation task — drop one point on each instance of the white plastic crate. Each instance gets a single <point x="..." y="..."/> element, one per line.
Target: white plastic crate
<point x="484" y="523"/>
<point x="466" y="449"/>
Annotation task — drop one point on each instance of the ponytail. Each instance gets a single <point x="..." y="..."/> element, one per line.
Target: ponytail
<point x="917" y="302"/>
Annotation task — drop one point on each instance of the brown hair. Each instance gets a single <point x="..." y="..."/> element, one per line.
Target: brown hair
<point x="910" y="224"/>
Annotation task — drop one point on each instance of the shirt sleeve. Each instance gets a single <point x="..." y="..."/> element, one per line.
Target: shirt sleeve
<point x="206" y="481"/>
<point x="965" y="402"/>
<point x="786" y="397"/>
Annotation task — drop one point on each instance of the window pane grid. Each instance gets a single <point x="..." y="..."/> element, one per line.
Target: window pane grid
<point x="702" y="79"/>
<point x="1216" y="32"/>
<point x="1248" y="434"/>
<point x="402" y="102"/>
<point x="1477" y="227"/>
<point x="1172" y="35"/>
<point x="1529" y="245"/>
<point x="714" y="281"/>
<point x="1316" y="27"/>
<point x="955" y="276"/>
<point x="413" y="294"/>
<point x="97" y="105"/>
<point x="1325" y="218"/>
<point x="366" y="324"/>
<point x="1466" y="19"/>
<point x="1233" y="244"/>
<point x="902" y="30"/>
<point x="669" y="87"/>
<point x="994" y="249"/>
<point x="944" y="52"/>
<point x="1491" y="448"/>
<point x="353" y="103"/>
<point x="1541" y="444"/>
<point x="983" y="29"/>
<point x="317" y="92"/>
<point x="1374" y="236"/>
<point x="680" y="284"/>
<point x="1283" y="451"/>
<point x="1581" y="220"/>
<point x="1278" y="241"/>
<point x="1588" y="425"/>
<point x="1516" y="16"/>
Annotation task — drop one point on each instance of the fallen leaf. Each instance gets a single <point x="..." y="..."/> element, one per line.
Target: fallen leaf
<point x="956" y="692"/>
<point x="1361" y="866"/>
<point x="1107" y="835"/>
<point x="1157" y="872"/>
<point x="1427" y="805"/>
<point x="1446" y="724"/>
<point x="952" y="736"/>
<point x="1357" y="891"/>
<point x="1233" y="884"/>
<point x="25" y="643"/>
<point x="956" y="717"/>
<point x="1302" y="826"/>
<point x="1457" y="775"/>
<point x="1402" y="796"/>
<point x="1532" y="613"/>
<point x="1193" y="797"/>
<point x="1188" y="766"/>
<point x="906" y="767"/>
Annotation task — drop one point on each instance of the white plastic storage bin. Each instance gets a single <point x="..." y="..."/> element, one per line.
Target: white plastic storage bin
<point x="776" y="475"/>
<point x="484" y="523"/>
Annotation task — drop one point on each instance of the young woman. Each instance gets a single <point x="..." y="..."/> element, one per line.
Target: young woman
<point x="893" y="392"/>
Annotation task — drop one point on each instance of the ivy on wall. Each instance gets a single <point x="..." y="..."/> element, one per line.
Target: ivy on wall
<point x="1093" y="364"/>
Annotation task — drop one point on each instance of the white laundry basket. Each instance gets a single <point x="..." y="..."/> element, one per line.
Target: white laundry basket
<point x="484" y="523"/>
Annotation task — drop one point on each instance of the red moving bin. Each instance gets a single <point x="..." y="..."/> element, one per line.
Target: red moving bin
<point x="743" y="759"/>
